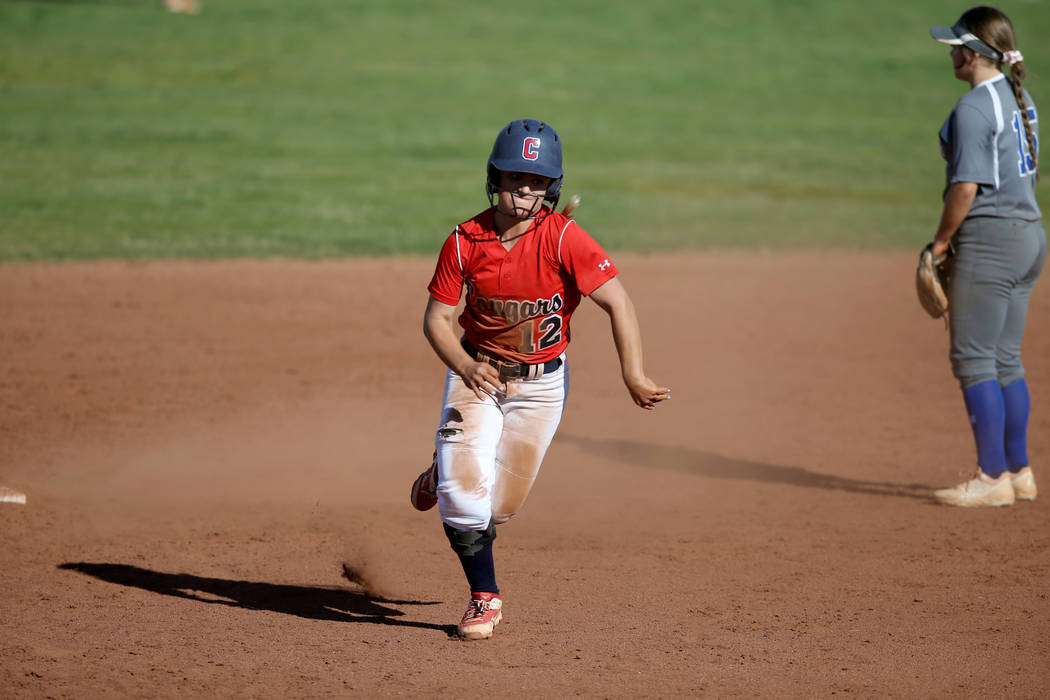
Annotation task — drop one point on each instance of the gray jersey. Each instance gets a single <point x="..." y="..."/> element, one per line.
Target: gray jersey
<point x="984" y="142"/>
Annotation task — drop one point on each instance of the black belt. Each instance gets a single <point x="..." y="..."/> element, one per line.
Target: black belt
<point x="513" y="370"/>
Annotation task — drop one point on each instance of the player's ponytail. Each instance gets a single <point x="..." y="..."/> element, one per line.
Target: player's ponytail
<point x="994" y="28"/>
<point x="1017" y="74"/>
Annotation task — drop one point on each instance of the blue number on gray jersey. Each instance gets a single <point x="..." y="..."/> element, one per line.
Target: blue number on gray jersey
<point x="1025" y="163"/>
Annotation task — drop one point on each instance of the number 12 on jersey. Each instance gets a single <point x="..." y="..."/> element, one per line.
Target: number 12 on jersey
<point x="547" y="329"/>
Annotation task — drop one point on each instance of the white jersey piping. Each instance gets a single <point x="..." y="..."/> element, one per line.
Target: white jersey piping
<point x="999" y="122"/>
<point x="459" y="256"/>
<point x="562" y="235"/>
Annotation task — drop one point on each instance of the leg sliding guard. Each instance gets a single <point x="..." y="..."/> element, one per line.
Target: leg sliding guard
<point x="467" y="543"/>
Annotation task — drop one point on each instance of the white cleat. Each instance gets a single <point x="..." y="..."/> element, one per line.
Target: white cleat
<point x="982" y="490"/>
<point x="1024" y="484"/>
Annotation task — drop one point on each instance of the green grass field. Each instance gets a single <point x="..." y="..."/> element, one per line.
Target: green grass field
<point x="343" y="127"/>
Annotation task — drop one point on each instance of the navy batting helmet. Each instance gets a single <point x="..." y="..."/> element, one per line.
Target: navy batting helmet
<point x="527" y="146"/>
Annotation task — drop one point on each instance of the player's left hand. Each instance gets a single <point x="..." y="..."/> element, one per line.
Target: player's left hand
<point x="646" y="393"/>
<point x="940" y="248"/>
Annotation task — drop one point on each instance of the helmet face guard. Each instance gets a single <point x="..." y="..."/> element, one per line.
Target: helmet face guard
<point x="526" y="146"/>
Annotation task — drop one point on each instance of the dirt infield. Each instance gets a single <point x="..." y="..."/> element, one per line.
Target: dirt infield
<point x="217" y="458"/>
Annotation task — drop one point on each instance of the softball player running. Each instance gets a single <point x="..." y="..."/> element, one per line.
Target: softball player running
<point x="524" y="267"/>
<point x="991" y="219"/>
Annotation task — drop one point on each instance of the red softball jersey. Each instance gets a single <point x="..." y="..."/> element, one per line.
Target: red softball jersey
<point x="519" y="301"/>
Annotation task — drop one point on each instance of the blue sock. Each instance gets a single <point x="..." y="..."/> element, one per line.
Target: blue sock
<point x="984" y="403"/>
<point x="480" y="570"/>
<point x="1017" y="403"/>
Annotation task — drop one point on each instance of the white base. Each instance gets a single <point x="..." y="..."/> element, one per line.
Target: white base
<point x="11" y="496"/>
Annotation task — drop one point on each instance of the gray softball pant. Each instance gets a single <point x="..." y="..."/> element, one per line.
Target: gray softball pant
<point x="997" y="263"/>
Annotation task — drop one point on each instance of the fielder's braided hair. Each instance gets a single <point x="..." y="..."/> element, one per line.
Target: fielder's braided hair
<point x="994" y="28"/>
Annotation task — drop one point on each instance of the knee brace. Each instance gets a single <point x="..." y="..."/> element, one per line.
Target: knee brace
<point x="467" y="543"/>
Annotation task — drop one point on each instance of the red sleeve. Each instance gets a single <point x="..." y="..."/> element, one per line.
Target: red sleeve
<point x="447" y="283"/>
<point x="584" y="259"/>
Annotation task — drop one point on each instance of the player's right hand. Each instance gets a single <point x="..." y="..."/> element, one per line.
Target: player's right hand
<point x="482" y="378"/>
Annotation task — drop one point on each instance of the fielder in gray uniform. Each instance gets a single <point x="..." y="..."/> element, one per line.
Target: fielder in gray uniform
<point x="991" y="219"/>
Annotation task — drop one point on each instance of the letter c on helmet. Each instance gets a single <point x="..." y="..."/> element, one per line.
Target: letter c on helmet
<point x="530" y="148"/>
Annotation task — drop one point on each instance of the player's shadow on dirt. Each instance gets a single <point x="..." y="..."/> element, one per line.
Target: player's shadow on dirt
<point x="313" y="603"/>
<point x="641" y="454"/>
